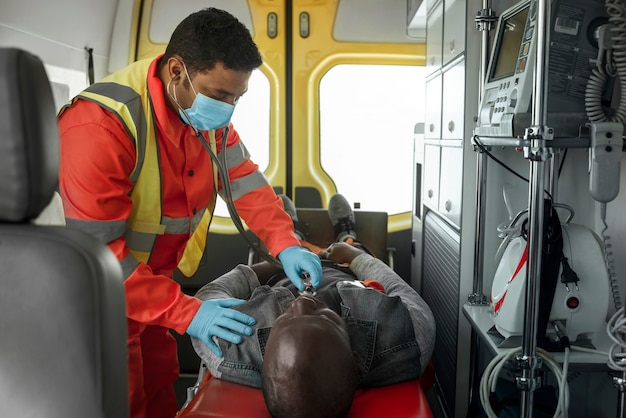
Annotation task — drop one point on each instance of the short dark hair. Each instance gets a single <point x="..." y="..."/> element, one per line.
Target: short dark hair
<point x="284" y="400"/>
<point x="318" y="387"/>
<point x="209" y="36"/>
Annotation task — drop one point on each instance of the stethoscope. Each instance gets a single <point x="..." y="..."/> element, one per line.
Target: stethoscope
<point x="232" y="210"/>
<point x="223" y="173"/>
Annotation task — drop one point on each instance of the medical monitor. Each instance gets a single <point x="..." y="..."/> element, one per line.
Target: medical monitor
<point x="509" y="38"/>
<point x="506" y="101"/>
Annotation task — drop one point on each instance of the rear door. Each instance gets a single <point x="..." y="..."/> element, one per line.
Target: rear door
<point x="332" y="108"/>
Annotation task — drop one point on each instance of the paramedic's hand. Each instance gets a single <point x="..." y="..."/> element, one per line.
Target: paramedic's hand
<point x="215" y="318"/>
<point x="297" y="260"/>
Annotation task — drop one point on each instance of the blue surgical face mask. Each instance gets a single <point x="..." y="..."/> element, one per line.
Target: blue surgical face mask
<point x="206" y="113"/>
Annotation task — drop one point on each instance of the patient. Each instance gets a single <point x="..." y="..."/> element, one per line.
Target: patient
<point x="364" y="327"/>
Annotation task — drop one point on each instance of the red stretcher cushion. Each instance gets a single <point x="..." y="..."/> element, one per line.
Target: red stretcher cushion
<point x="219" y="398"/>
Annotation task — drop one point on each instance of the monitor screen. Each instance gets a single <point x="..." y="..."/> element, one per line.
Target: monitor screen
<point x="508" y="45"/>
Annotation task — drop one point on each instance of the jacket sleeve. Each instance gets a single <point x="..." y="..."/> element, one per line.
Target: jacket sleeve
<point x="254" y="198"/>
<point x="368" y="267"/>
<point x="238" y="283"/>
<point x="96" y="159"/>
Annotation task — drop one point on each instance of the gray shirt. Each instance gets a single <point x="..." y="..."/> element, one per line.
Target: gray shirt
<point x="392" y="334"/>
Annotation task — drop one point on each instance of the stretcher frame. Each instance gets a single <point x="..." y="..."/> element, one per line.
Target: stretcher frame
<point x="211" y="397"/>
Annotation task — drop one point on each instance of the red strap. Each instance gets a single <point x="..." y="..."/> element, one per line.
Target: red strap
<point x="374" y="284"/>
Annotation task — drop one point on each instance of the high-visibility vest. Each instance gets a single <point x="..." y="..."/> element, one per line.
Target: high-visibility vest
<point x="125" y="94"/>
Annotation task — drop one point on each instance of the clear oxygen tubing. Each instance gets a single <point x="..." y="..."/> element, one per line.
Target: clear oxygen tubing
<point x="611" y="62"/>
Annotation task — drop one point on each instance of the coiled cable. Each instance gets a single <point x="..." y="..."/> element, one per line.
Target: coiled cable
<point x="616" y="326"/>
<point x="611" y="61"/>
<point x="608" y="259"/>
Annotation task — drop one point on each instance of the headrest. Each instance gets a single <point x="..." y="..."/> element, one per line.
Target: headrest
<point x="29" y="137"/>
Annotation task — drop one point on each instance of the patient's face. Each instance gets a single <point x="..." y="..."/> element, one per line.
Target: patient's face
<point x="306" y="329"/>
<point x="308" y="306"/>
<point x="308" y="348"/>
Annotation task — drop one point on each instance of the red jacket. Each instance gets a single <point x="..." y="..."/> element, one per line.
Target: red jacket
<point x="97" y="157"/>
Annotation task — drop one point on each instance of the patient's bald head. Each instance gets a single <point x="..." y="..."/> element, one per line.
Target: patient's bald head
<point x="308" y="368"/>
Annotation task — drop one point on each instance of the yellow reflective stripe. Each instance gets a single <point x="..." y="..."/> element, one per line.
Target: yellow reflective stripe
<point x="126" y="103"/>
<point x="143" y="239"/>
<point x="214" y="149"/>
<point x="146" y="195"/>
<point x="113" y="104"/>
<point x="141" y="256"/>
<point x="194" y="250"/>
<point x="125" y="94"/>
<point x="148" y="228"/>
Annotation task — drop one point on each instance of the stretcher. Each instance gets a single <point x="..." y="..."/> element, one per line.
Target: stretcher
<point x="218" y="398"/>
<point x="212" y="397"/>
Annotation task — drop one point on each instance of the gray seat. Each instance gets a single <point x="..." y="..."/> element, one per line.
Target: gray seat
<point x="62" y="309"/>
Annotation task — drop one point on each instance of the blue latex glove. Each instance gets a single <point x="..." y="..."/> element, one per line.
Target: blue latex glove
<point x="215" y="318"/>
<point x="297" y="260"/>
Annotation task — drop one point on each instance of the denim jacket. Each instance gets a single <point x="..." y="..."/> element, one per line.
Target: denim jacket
<point x="392" y="333"/>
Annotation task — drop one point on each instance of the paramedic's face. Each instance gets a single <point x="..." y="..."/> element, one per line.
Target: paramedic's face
<point x="219" y="83"/>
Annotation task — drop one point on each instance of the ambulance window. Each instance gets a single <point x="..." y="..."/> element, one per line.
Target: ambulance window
<point x="367" y="118"/>
<point x="252" y="118"/>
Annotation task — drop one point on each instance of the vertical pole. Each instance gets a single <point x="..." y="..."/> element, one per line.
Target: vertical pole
<point x="537" y="153"/>
<point x="485" y="19"/>
<point x="484" y="25"/>
<point x="533" y="279"/>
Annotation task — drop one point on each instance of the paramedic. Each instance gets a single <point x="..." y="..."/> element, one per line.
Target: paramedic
<point x="364" y="327"/>
<point x="136" y="172"/>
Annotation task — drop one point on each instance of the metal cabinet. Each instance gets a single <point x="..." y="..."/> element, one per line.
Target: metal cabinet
<point x="453" y="109"/>
<point x="432" y="117"/>
<point x="434" y="38"/>
<point x="432" y="162"/>
<point x="451" y="182"/>
<point x="453" y="42"/>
